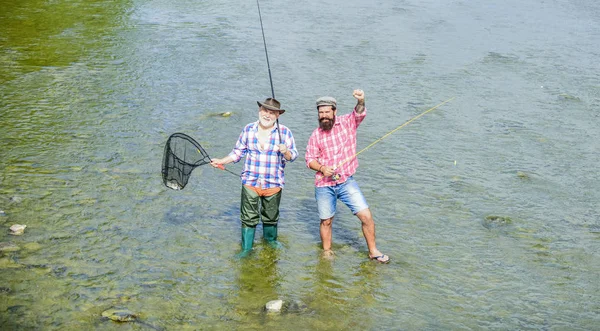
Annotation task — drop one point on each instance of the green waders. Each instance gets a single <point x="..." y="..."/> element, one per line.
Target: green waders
<point x="251" y="215"/>
<point x="247" y="240"/>
<point x="270" y="235"/>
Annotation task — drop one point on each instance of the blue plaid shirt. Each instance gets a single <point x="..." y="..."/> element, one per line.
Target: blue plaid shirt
<point x="264" y="166"/>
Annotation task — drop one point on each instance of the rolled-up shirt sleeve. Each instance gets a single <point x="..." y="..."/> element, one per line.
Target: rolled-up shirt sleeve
<point x="290" y="143"/>
<point x="312" y="150"/>
<point x="240" y="149"/>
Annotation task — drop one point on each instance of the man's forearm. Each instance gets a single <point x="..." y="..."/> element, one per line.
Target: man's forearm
<point x="315" y="165"/>
<point x="360" y="106"/>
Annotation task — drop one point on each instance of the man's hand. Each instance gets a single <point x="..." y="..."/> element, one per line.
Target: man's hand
<point x="327" y="171"/>
<point x="217" y="163"/>
<point x="359" y="95"/>
<point x="284" y="151"/>
<point x="283" y="148"/>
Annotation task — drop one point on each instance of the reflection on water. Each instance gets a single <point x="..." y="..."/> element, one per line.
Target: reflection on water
<point x="486" y="205"/>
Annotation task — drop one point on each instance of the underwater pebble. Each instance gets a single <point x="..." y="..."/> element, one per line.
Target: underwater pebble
<point x="274" y="306"/>
<point x="16" y="199"/>
<point x="17" y="229"/>
<point x="8" y="247"/>
<point x="119" y="315"/>
<point x="494" y="221"/>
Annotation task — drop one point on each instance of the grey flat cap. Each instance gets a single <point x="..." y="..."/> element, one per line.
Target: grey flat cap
<point x="326" y="101"/>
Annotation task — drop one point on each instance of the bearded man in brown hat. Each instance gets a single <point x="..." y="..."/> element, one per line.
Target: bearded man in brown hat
<point x="268" y="147"/>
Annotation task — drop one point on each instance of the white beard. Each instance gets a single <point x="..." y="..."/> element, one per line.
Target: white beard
<point x="266" y="123"/>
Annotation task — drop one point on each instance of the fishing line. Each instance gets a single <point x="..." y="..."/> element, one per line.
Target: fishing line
<point x="389" y="133"/>
<point x="268" y="65"/>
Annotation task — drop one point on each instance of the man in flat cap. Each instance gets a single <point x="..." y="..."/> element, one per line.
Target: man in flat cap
<point x="267" y="146"/>
<point x="331" y="152"/>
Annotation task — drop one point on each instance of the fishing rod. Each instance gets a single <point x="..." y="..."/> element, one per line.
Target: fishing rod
<point x="268" y="65"/>
<point x="389" y="133"/>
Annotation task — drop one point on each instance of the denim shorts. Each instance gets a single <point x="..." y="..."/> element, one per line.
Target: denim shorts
<point x="348" y="192"/>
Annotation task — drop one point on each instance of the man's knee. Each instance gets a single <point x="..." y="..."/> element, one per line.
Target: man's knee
<point x="327" y="222"/>
<point x="365" y="216"/>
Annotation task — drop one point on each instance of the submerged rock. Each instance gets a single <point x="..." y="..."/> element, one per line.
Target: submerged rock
<point x="17" y="229"/>
<point x="120" y="315"/>
<point x="8" y="247"/>
<point x="9" y="263"/>
<point x="494" y="221"/>
<point x="16" y="199"/>
<point x="295" y="306"/>
<point x="274" y="306"/>
<point x="32" y="246"/>
<point x="286" y="307"/>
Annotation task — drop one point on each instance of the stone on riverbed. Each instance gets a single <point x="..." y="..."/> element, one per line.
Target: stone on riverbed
<point x="274" y="306"/>
<point x="16" y="199"/>
<point x="17" y="229"/>
<point x="495" y="221"/>
<point x="32" y="246"/>
<point x="8" y="247"/>
<point x="119" y="315"/>
<point x="286" y="307"/>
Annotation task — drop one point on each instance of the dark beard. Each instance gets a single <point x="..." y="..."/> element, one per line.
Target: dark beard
<point x="326" y="124"/>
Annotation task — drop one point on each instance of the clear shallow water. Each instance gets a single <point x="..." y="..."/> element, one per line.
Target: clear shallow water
<point x="90" y="97"/>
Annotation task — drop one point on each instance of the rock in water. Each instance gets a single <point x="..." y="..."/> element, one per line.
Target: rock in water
<point x="17" y="229"/>
<point x="294" y="306"/>
<point x="8" y="247"/>
<point x="16" y="199"/>
<point x="274" y="306"/>
<point x="119" y="315"/>
<point x="494" y="221"/>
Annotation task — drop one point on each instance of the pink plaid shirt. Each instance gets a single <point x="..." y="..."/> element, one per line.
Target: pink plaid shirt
<point x="338" y="145"/>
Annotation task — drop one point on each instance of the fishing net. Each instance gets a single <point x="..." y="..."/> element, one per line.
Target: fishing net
<point x="182" y="155"/>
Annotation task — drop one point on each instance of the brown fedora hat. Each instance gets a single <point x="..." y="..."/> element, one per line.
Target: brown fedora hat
<point x="271" y="104"/>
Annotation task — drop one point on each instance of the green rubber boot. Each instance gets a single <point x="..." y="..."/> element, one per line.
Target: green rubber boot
<point x="247" y="241"/>
<point x="270" y="235"/>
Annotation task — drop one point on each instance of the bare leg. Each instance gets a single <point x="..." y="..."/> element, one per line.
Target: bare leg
<point x="325" y="230"/>
<point x="368" y="228"/>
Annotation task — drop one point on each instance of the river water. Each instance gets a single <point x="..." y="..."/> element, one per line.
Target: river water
<point x="487" y="205"/>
